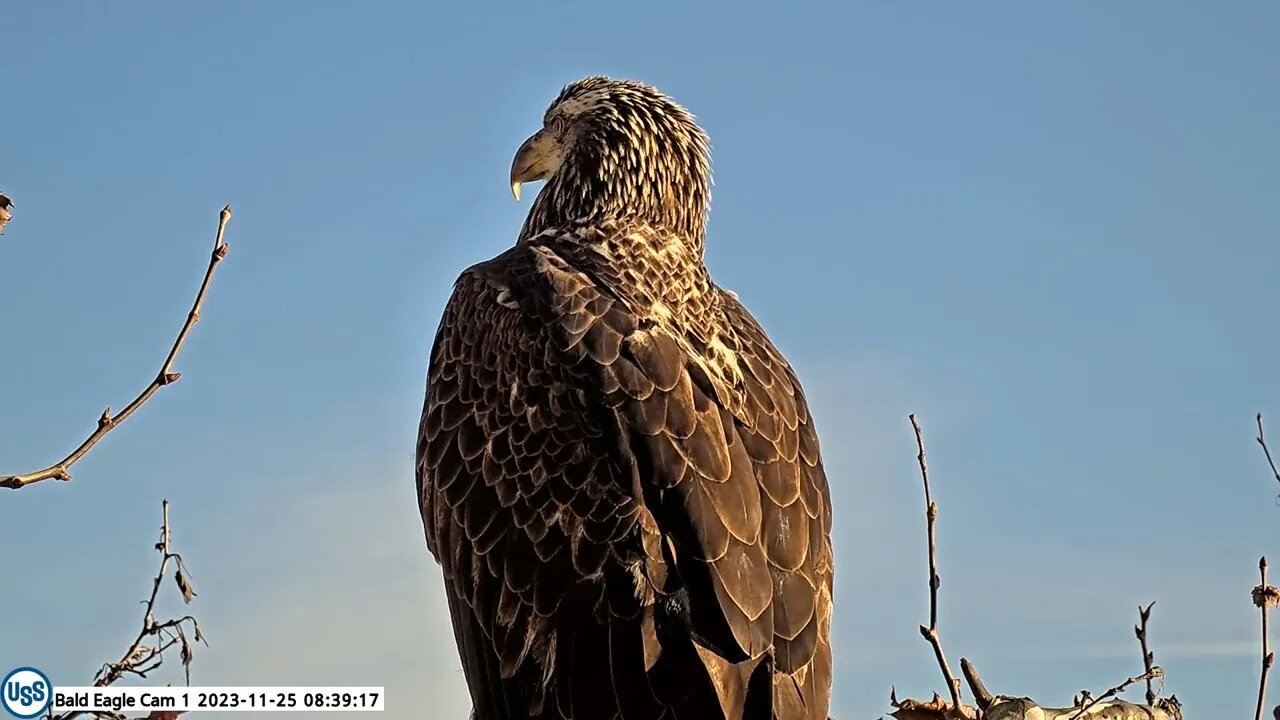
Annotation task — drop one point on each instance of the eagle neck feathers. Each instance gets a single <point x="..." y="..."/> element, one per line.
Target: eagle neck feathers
<point x="660" y="281"/>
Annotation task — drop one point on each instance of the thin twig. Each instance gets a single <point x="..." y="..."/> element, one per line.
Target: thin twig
<point x="1262" y="440"/>
<point x="142" y="657"/>
<point x="1155" y="672"/>
<point x="61" y="470"/>
<point x="1148" y="657"/>
<point x="1264" y="596"/>
<point x="930" y="633"/>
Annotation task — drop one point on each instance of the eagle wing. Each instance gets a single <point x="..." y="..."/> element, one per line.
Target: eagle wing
<point x="599" y="499"/>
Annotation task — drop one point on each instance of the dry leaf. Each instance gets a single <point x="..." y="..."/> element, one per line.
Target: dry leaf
<point x="184" y="584"/>
<point x="935" y="709"/>
<point x="6" y="211"/>
<point x="1267" y="596"/>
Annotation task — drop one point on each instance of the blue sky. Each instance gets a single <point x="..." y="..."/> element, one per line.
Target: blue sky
<point x="1049" y="231"/>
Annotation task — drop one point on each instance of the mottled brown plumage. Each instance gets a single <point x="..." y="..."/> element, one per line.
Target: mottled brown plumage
<point x="617" y="470"/>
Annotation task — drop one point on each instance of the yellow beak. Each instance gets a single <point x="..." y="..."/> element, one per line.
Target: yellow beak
<point x="537" y="158"/>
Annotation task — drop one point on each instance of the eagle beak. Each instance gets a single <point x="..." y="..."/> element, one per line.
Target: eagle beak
<point x="536" y="159"/>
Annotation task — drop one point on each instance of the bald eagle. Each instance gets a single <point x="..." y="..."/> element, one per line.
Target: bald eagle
<point x="617" y="470"/>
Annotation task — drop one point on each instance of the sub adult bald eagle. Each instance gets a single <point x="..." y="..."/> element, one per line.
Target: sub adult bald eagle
<point x="617" y="470"/>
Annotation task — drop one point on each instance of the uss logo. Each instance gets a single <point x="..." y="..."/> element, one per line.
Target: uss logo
<point x="26" y="692"/>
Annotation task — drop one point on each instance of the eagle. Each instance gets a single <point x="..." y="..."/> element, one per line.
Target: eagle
<point x="617" y="470"/>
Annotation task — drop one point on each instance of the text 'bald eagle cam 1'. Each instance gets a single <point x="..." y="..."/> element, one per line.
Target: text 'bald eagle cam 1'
<point x="617" y="470"/>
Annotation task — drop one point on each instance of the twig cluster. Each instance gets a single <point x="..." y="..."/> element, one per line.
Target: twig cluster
<point x="1085" y="701"/>
<point x="1085" y="704"/>
<point x="147" y="651"/>
<point x="107" y="422"/>
<point x="156" y="637"/>
<point x="999" y="707"/>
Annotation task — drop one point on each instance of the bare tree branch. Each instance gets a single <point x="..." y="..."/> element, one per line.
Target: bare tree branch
<point x="930" y="633"/>
<point x="61" y="470"/>
<point x="1148" y="657"/>
<point x="1087" y="702"/>
<point x="146" y="653"/>
<point x="1264" y="597"/>
<point x="1262" y="440"/>
<point x="981" y="695"/>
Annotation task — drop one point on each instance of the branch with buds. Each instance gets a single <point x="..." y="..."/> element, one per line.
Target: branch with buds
<point x="1266" y="451"/>
<point x="1265" y="597"/>
<point x="107" y="422"/>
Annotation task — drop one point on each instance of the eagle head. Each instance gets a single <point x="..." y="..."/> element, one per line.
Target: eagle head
<point x="616" y="150"/>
